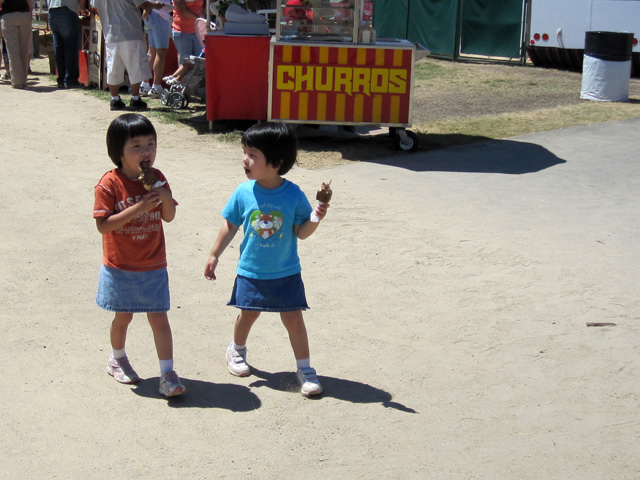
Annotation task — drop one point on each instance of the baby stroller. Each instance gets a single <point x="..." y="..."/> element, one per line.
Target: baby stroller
<point x="177" y="96"/>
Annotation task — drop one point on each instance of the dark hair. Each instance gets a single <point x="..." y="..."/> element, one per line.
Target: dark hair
<point x="123" y="128"/>
<point x="277" y="141"/>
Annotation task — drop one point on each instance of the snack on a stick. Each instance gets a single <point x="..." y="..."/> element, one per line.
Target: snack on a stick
<point x="324" y="194"/>
<point x="148" y="177"/>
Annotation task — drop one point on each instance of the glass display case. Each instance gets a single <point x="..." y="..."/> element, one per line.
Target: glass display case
<point x="319" y="20"/>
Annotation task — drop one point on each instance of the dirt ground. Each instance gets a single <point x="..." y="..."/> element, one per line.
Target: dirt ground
<point x="450" y="294"/>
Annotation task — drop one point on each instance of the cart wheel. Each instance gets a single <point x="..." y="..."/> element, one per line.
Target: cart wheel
<point x="407" y="141"/>
<point x="175" y="100"/>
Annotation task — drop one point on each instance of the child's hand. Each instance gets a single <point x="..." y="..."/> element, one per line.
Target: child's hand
<point x="151" y="200"/>
<point x="321" y="210"/>
<point x="210" y="268"/>
<point x="165" y="195"/>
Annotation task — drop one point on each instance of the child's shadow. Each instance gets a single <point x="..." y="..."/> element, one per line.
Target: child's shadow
<point x="201" y="394"/>
<point x="346" y="390"/>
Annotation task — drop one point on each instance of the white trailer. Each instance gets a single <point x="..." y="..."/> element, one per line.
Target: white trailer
<point x="557" y="29"/>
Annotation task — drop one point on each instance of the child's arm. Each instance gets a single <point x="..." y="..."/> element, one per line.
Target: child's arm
<point x="168" y="205"/>
<point x="226" y="234"/>
<point x="120" y="219"/>
<point x="306" y="229"/>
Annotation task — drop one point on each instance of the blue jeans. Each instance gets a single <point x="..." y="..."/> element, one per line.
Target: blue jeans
<point x="186" y="44"/>
<point x="66" y="28"/>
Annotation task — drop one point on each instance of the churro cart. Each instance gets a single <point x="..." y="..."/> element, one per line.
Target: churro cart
<point x="326" y="67"/>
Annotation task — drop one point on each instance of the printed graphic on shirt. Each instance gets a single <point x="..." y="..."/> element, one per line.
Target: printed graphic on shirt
<point x="266" y="224"/>
<point x="142" y="226"/>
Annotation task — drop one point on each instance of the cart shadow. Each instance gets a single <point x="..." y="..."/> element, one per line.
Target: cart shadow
<point x="478" y="155"/>
<point x="438" y="153"/>
<point x="345" y="390"/>
<point x="201" y="394"/>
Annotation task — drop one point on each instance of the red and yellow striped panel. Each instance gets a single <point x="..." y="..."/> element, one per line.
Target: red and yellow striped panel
<point x="322" y="83"/>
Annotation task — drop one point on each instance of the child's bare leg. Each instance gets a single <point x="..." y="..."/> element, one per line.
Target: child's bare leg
<point x="118" y="366"/>
<point x="294" y="323"/>
<point x="118" y="330"/>
<point x="170" y="384"/>
<point x="161" y="334"/>
<point x="243" y="325"/>
<point x="305" y="375"/>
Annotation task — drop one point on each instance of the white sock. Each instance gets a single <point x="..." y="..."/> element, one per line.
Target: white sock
<point x="118" y="353"/>
<point x="144" y="84"/>
<point x="304" y="363"/>
<point x="239" y="348"/>
<point x="157" y="87"/>
<point x="137" y="97"/>
<point x="166" y="366"/>
<point x="117" y="97"/>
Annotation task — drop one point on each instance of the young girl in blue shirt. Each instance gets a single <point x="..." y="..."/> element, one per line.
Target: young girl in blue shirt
<point x="274" y="213"/>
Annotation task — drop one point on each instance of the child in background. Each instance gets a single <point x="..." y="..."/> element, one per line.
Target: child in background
<point x="274" y="213"/>
<point x="134" y="276"/>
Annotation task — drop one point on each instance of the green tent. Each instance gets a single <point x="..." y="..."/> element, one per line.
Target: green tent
<point x="455" y="28"/>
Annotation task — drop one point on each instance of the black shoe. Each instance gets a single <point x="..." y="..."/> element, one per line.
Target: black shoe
<point x="73" y="85"/>
<point x="118" y="104"/>
<point x="138" y="104"/>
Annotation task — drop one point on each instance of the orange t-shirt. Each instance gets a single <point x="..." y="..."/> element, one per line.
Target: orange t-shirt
<point x="138" y="245"/>
<point x="183" y="24"/>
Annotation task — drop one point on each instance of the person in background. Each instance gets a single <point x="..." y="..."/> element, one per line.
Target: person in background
<point x="4" y="57"/>
<point x="126" y="47"/>
<point x="158" y="24"/>
<point x="185" y="14"/>
<point x="16" y="29"/>
<point x="67" y="30"/>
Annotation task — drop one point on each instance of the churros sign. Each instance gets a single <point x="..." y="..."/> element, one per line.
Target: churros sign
<point x="340" y="84"/>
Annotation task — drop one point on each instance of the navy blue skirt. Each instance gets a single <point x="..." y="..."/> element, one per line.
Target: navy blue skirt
<point x="277" y="295"/>
<point x="133" y="292"/>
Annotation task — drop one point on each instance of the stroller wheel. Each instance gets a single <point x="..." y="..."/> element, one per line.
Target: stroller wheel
<point x="175" y="100"/>
<point x="164" y="97"/>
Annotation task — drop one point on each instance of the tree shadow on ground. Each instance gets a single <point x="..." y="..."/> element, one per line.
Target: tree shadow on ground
<point x="346" y="390"/>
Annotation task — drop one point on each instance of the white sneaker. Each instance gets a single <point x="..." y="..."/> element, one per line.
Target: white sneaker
<point x="144" y="89"/>
<point x="237" y="362"/>
<point x="171" y="80"/>
<point x="170" y="385"/>
<point x="308" y="380"/>
<point x="154" y="93"/>
<point x="121" y="370"/>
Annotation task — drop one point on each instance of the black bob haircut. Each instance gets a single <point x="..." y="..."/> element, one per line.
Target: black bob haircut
<point x="277" y="141"/>
<point x="123" y="128"/>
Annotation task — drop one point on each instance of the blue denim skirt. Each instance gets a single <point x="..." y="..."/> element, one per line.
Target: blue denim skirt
<point x="278" y="295"/>
<point x="133" y="292"/>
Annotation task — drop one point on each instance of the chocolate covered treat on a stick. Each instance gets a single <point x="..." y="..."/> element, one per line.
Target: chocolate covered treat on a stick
<point x="323" y="196"/>
<point x="148" y="177"/>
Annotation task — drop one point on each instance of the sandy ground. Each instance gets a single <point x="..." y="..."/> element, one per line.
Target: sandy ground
<point x="450" y="294"/>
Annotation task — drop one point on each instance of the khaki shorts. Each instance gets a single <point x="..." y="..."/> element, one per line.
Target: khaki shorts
<point x="130" y="55"/>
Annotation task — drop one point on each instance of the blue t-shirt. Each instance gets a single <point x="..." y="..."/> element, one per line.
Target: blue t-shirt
<point x="269" y="248"/>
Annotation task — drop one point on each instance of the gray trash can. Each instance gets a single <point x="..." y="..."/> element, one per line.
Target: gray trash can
<point x="606" y="69"/>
